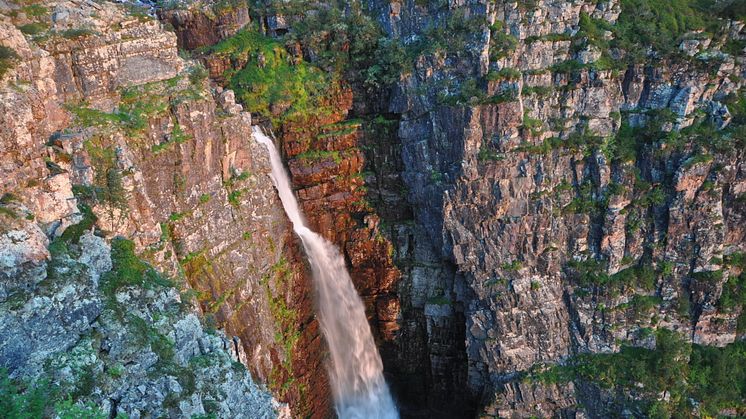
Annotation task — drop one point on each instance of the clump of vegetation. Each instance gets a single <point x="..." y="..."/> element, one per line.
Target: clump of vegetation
<point x="19" y="399"/>
<point x="77" y="33"/>
<point x="270" y="79"/>
<point x="129" y="270"/>
<point x="8" y="59"/>
<point x="107" y="184"/>
<point x="312" y="156"/>
<point x="501" y="43"/>
<point x="733" y="296"/>
<point x="661" y="23"/>
<point x="592" y="272"/>
<point x="486" y="153"/>
<point x="285" y="318"/>
<point x="177" y="136"/>
<point x="34" y="28"/>
<point x="714" y="378"/>
<point x="506" y="73"/>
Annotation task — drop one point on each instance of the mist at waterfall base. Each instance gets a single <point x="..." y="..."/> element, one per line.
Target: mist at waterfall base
<point x="356" y="370"/>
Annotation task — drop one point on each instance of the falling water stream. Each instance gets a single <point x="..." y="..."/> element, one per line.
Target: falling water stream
<point x="355" y="370"/>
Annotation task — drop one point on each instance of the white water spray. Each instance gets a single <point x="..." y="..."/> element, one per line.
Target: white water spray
<point x="356" y="371"/>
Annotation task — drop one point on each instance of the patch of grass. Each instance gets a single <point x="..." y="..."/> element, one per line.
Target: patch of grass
<point x="35" y="10"/>
<point x="286" y="332"/>
<point x="33" y="28"/>
<point x="708" y="276"/>
<point x="129" y="270"/>
<point x="315" y="156"/>
<point x="661" y="23"/>
<point x="713" y="377"/>
<point x="72" y="233"/>
<point x="77" y="33"/>
<point x="20" y="399"/>
<point x="439" y="300"/>
<point x="177" y="136"/>
<point x="234" y="198"/>
<point x="506" y="73"/>
<point x="541" y="91"/>
<point x="270" y="80"/>
<point x="8" y="59"/>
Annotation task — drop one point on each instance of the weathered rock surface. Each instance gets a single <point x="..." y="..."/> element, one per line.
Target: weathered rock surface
<point x="202" y="24"/>
<point x="104" y="107"/>
<point x="500" y="219"/>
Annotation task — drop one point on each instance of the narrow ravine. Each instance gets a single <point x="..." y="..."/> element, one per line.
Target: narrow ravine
<point x="355" y="370"/>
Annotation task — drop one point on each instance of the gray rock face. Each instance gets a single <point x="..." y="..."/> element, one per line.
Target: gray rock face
<point x="147" y="355"/>
<point x="499" y="216"/>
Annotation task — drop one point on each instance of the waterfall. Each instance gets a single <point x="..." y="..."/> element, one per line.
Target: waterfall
<point x="355" y="370"/>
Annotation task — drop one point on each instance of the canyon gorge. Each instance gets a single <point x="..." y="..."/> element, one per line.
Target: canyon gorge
<point x="541" y="205"/>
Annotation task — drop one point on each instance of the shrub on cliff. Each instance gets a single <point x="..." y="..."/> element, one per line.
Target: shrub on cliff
<point x="8" y="58"/>
<point x="19" y="399"/>
<point x="714" y="378"/>
<point x="660" y="24"/>
<point x="129" y="270"/>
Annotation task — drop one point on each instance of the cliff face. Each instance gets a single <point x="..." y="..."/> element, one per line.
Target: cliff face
<point x="531" y="243"/>
<point x="107" y="128"/>
<point x="523" y="193"/>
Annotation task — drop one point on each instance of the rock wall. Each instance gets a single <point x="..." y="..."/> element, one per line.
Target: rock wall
<point x="501" y="232"/>
<point x="103" y="114"/>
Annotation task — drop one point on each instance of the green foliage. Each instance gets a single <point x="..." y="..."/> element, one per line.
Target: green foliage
<point x="137" y="105"/>
<point x="660" y="24"/>
<point x="730" y="9"/>
<point x="178" y="136"/>
<point x="285" y="318"/>
<point x="451" y="35"/>
<point x="68" y="409"/>
<point x="568" y="66"/>
<point x="551" y="37"/>
<point x="35" y="10"/>
<point x="234" y="198"/>
<point x="72" y="233"/>
<point x="129" y="270"/>
<point x="714" y="377"/>
<point x="8" y="59"/>
<point x="541" y="91"/>
<point x="488" y="154"/>
<point x="315" y="156"/>
<point x="22" y="400"/>
<point x="390" y="60"/>
<point x="593" y="272"/>
<point x="708" y="276"/>
<point x="514" y="265"/>
<point x="76" y="33"/>
<point x="197" y="74"/>
<point x="717" y="377"/>
<point x="501" y="43"/>
<point x="34" y="28"/>
<point x="107" y="181"/>
<point x="506" y="73"/>
<point x="642" y="276"/>
<point x="439" y="300"/>
<point x="532" y="125"/>
<point x="270" y="79"/>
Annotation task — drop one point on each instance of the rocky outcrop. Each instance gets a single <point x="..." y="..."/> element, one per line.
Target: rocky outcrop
<point x="203" y="24"/>
<point x="136" y="351"/>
